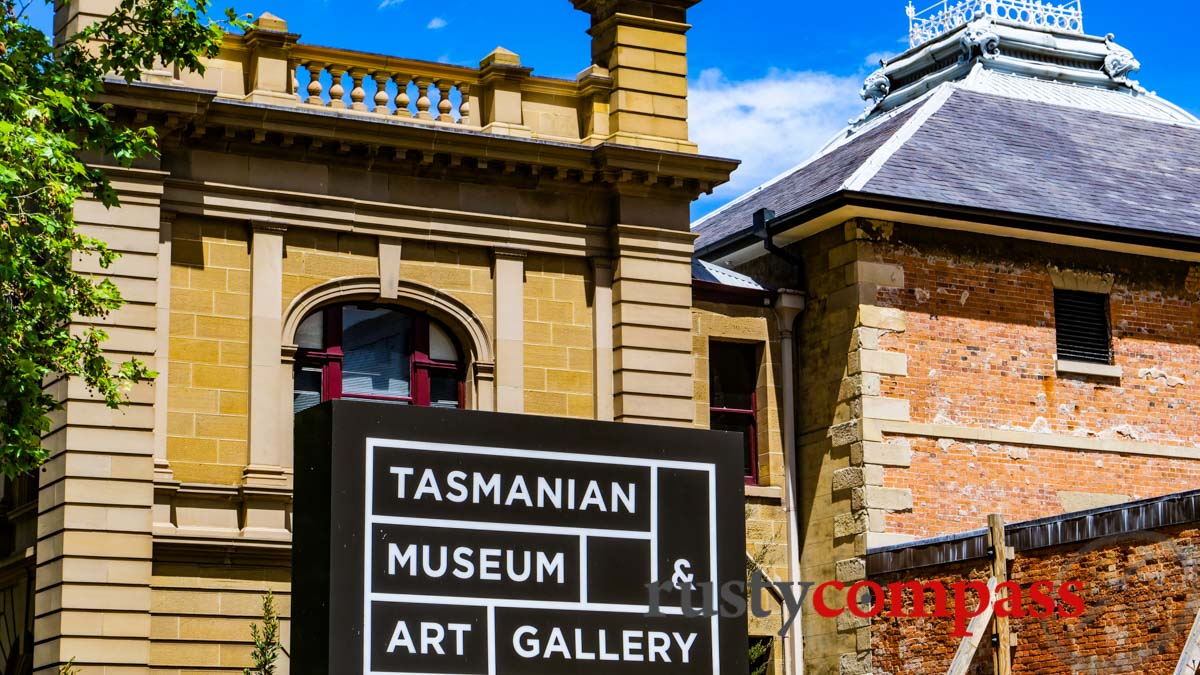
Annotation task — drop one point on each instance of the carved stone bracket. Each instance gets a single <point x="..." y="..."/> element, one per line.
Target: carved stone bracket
<point x="1120" y="64"/>
<point x="979" y="39"/>
<point x="875" y="89"/>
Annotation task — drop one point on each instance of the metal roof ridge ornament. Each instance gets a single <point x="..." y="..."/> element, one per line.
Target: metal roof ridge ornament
<point x="875" y="89"/>
<point x="1120" y="64"/>
<point x="945" y="16"/>
<point x="979" y="38"/>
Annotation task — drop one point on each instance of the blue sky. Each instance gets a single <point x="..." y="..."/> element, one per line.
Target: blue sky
<point x="772" y="79"/>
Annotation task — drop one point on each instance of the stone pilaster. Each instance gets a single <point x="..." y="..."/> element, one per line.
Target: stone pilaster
<point x="72" y="16"/>
<point x="162" y="348"/>
<point x="390" y="250"/>
<point x="509" y="278"/>
<point x="97" y="490"/>
<point x="652" y="326"/>
<point x="602" y="337"/>
<point x="266" y="492"/>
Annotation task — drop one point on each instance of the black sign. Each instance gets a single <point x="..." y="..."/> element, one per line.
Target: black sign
<point x="450" y="542"/>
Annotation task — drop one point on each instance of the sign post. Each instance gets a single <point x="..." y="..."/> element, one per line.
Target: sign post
<point x="450" y="542"/>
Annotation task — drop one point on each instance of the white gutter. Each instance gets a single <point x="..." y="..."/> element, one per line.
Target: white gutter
<point x="788" y="306"/>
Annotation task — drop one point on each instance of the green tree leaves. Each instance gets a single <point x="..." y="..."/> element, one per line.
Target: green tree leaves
<point x="48" y="121"/>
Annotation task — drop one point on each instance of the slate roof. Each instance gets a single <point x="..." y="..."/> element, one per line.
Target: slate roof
<point x="1054" y="158"/>
<point x="806" y="184"/>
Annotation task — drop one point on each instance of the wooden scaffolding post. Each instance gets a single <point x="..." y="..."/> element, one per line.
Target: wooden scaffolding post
<point x="1189" y="660"/>
<point x="1001" y="554"/>
<point x="975" y="632"/>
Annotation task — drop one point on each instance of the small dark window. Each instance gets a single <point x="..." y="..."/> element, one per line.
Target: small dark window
<point x="732" y="380"/>
<point x="1081" y="320"/>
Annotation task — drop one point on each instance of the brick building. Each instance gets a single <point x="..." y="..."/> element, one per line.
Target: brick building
<point x="980" y="298"/>
<point x="999" y="258"/>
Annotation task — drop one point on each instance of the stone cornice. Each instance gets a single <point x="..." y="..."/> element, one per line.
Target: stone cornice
<point x="604" y="9"/>
<point x="193" y="117"/>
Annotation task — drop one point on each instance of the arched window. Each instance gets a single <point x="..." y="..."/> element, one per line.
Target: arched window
<point x="376" y="353"/>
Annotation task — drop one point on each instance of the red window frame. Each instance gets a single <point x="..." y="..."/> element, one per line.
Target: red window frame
<point x="329" y="359"/>
<point x="749" y="415"/>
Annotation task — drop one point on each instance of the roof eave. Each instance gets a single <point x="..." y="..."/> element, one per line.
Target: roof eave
<point x="746" y="238"/>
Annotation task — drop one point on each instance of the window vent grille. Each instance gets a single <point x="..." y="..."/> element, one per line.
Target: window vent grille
<point x="1082" y="326"/>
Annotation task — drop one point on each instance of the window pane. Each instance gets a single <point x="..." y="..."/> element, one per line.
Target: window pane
<point x="443" y="389"/>
<point x="307" y="392"/>
<point x="376" y="351"/>
<point x="311" y="333"/>
<point x="733" y="374"/>
<point x="743" y="424"/>
<point x="441" y="347"/>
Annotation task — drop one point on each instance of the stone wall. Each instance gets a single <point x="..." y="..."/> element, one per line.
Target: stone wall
<point x="840" y="366"/>
<point x="209" y="373"/>
<point x="766" y="522"/>
<point x="201" y="611"/>
<point x="558" y="337"/>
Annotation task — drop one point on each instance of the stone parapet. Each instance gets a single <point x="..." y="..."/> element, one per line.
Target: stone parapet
<point x="634" y="93"/>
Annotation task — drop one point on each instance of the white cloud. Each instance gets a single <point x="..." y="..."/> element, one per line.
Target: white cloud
<point x="771" y="124"/>
<point x="437" y="22"/>
<point x="873" y="59"/>
<point x="389" y="3"/>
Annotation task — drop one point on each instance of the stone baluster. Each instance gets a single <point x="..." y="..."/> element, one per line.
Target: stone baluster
<point x="336" y="90"/>
<point x="464" y="107"/>
<point x="314" y="84"/>
<point x="358" y="95"/>
<point x="444" y="105"/>
<point x="402" y="99"/>
<point x="381" y="95"/>
<point x="423" y="102"/>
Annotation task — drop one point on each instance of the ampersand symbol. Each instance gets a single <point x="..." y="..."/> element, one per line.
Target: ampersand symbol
<point x="682" y="574"/>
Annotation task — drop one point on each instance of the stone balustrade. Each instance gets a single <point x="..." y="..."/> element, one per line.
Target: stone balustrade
<point x="269" y="65"/>
<point x="391" y="87"/>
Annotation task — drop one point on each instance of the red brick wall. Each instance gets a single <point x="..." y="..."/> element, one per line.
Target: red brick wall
<point x="1141" y="596"/>
<point x="980" y="342"/>
<point x="981" y="350"/>
<point x="955" y="484"/>
<point x="923" y="646"/>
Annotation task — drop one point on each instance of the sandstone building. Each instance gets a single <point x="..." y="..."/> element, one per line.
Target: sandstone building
<point x="982" y="297"/>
